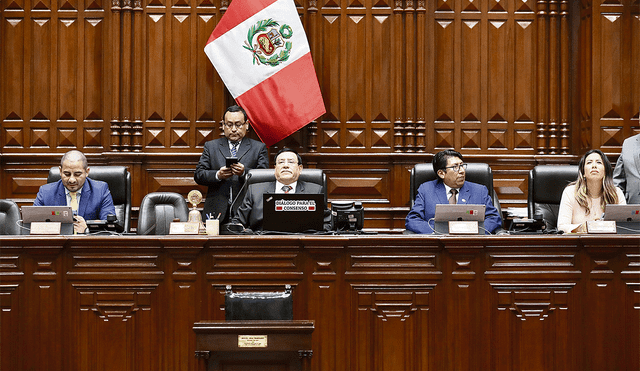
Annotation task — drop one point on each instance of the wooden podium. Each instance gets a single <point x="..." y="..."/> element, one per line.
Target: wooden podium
<point x="254" y="345"/>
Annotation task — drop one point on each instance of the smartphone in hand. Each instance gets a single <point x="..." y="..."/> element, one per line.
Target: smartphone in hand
<point x="231" y="161"/>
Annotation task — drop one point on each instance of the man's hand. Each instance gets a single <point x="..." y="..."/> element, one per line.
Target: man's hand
<point x="79" y="224"/>
<point x="237" y="168"/>
<point x="225" y="173"/>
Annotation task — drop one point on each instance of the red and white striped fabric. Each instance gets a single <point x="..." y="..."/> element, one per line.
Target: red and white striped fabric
<point x="261" y="52"/>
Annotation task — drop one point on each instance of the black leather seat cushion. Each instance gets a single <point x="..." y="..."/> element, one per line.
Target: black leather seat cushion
<point x="157" y="211"/>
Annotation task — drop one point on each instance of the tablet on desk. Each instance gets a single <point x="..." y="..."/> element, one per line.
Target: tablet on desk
<point x="62" y="214"/>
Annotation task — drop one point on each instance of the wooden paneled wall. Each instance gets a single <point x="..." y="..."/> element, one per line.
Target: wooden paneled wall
<point x="513" y="83"/>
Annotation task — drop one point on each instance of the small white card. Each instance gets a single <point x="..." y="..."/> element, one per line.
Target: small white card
<point x="45" y="228"/>
<point x="184" y="228"/>
<point x="601" y="226"/>
<point x="463" y="227"/>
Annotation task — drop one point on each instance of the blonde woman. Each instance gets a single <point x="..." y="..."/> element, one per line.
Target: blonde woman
<point x="585" y="199"/>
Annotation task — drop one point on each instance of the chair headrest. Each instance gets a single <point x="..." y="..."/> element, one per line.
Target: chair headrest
<point x="547" y="182"/>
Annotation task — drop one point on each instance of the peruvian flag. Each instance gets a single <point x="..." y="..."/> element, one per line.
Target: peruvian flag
<point x="261" y="52"/>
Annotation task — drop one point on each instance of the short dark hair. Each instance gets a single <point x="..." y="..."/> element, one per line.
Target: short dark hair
<point x="235" y="108"/>
<point x="441" y="158"/>
<point x="285" y="149"/>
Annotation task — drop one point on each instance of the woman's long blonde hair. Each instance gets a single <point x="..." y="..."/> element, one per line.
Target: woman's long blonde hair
<point x="609" y="196"/>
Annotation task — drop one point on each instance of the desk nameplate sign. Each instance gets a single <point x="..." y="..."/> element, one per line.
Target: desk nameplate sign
<point x="252" y="341"/>
<point x="463" y="227"/>
<point x="45" y="228"/>
<point x="601" y="226"/>
<point x="184" y="228"/>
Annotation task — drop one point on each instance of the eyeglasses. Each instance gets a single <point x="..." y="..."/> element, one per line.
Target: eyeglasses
<point x="456" y="168"/>
<point x="287" y="161"/>
<point x="238" y="125"/>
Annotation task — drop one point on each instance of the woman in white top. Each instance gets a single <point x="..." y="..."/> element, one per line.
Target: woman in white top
<point x="585" y="199"/>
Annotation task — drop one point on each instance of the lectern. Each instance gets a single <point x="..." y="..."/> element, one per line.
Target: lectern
<point x="254" y="345"/>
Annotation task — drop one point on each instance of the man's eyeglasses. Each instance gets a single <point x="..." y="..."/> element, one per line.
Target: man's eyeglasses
<point x="230" y="125"/>
<point x="457" y="167"/>
<point x="287" y="161"/>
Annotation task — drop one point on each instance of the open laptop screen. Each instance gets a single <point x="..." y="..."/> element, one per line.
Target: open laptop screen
<point x="293" y="212"/>
<point x="447" y="212"/>
<point x="61" y="214"/>
<point x="622" y="213"/>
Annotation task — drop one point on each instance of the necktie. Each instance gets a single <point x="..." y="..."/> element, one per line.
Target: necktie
<point x="74" y="201"/>
<point x="452" y="199"/>
<point x="234" y="149"/>
<point x="286" y="188"/>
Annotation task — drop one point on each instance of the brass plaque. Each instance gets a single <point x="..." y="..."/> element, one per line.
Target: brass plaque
<point x="252" y="341"/>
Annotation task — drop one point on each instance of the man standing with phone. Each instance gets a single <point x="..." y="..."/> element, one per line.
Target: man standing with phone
<point x="225" y="160"/>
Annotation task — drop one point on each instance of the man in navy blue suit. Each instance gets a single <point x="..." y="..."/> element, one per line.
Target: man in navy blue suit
<point x="450" y="187"/>
<point x="90" y="199"/>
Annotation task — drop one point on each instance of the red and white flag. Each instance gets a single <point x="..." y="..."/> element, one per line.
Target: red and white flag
<point x="261" y="52"/>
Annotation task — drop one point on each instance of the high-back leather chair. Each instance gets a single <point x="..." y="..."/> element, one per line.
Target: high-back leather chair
<point x="9" y="216"/>
<point x="476" y="172"/>
<point x="157" y="211"/>
<point x="253" y="305"/>
<point x="119" y="180"/>
<point x="316" y="176"/>
<point x="546" y="183"/>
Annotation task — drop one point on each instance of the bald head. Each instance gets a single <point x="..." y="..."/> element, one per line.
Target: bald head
<point x="75" y="156"/>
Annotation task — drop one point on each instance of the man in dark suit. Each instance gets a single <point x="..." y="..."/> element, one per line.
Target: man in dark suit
<point x="450" y="187"/>
<point x="626" y="174"/>
<point x="90" y="199"/>
<point x="287" y="172"/>
<point x="225" y="182"/>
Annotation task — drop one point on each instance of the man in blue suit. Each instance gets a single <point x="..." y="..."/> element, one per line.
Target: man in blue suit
<point x="89" y="199"/>
<point x="450" y="187"/>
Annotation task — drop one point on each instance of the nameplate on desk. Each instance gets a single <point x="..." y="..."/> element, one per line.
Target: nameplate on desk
<point x="45" y="228"/>
<point x="252" y="341"/>
<point x="184" y="228"/>
<point x="463" y="227"/>
<point x="601" y="226"/>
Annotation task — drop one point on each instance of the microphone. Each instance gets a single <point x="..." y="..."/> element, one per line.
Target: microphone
<point x="233" y="203"/>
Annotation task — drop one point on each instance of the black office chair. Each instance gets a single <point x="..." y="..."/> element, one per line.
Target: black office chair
<point x="119" y="180"/>
<point x="9" y="216"/>
<point x="316" y="176"/>
<point x="546" y="184"/>
<point x="157" y="211"/>
<point x="476" y="172"/>
<point x="251" y="305"/>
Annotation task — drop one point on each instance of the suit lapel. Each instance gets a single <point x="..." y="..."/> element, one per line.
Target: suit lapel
<point x="61" y="195"/>
<point x="636" y="152"/>
<point x="84" y="197"/>
<point x="463" y="197"/>
<point x="245" y="145"/>
<point x="441" y="193"/>
<point x="224" y="147"/>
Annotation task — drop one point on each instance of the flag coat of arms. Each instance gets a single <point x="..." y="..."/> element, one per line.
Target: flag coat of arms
<point x="260" y="50"/>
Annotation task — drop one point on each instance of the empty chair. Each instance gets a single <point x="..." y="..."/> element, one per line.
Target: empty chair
<point x="157" y="211"/>
<point x="476" y="172"/>
<point x="119" y="180"/>
<point x="546" y="183"/>
<point x="9" y="217"/>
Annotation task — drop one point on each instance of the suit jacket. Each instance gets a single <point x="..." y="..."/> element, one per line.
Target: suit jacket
<point x="626" y="174"/>
<point x="433" y="192"/>
<point x="95" y="200"/>
<point x="251" y="211"/>
<point x="251" y="153"/>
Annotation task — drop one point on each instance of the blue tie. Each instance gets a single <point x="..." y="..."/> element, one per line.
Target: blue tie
<point x="234" y="149"/>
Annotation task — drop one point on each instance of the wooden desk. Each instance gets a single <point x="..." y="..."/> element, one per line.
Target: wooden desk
<point x="378" y="302"/>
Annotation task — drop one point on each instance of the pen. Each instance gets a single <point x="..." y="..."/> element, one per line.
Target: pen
<point x="218" y="217"/>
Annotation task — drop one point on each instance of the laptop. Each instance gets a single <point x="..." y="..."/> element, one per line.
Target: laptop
<point x="62" y="214"/>
<point x="293" y="212"/>
<point x="458" y="212"/>
<point x="627" y="217"/>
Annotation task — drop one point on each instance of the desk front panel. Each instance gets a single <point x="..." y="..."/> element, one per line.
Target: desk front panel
<point x="378" y="302"/>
